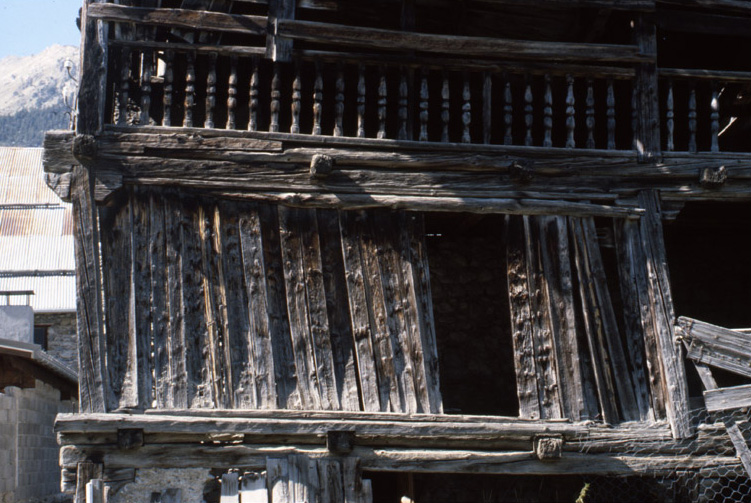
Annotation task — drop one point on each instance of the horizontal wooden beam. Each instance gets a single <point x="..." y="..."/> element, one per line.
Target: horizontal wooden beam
<point x="717" y="346"/>
<point x="738" y="6"/>
<point x="224" y="50"/>
<point x="180" y="18"/>
<point x="719" y="75"/>
<point x="489" y="48"/>
<point x="395" y="459"/>
<point x="735" y="397"/>
<point x="704" y="23"/>
<point x="630" y="5"/>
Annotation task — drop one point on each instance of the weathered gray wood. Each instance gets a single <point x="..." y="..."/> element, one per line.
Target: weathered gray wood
<point x="177" y="384"/>
<point x="139" y="365"/>
<point x="342" y="35"/>
<point x="290" y="227"/>
<point x="647" y="133"/>
<point x="556" y="264"/>
<point x="86" y="471"/>
<point x="735" y="397"/>
<point x="330" y="477"/>
<point x="279" y="48"/>
<point x="93" y="380"/>
<point x="521" y="319"/>
<point x="253" y="488"/>
<point x="716" y="346"/>
<point x="159" y="290"/>
<point x="259" y="378"/>
<point x="303" y="478"/>
<point x="180" y="18"/>
<point x="230" y="488"/>
<point x="93" y="85"/>
<point x="340" y="326"/>
<point x="633" y="287"/>
<point x="593" y="319"/>
<point x="676" y="387"/>
<point x="419" y="309"/>
<point x="277" y="470"/>
<point x="95" y="491"/>
<point x="359" y="314"/>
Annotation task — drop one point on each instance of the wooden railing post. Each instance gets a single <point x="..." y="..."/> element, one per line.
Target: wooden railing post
<point x="647" y="109"/>
<point x="278" y="48"/>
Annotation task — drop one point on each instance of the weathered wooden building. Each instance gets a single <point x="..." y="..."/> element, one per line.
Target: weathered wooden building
<point x="318" y="239"/>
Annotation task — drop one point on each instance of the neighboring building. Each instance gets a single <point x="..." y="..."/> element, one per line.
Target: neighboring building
<point x="36" y="251"/>
<point x="427" y="250"/>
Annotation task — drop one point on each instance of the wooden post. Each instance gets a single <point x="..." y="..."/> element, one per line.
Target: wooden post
<point x="647" y="134"/>
<point x="92" y="90"/>
<point x="86" y="473"/>
<point x="278" y="48"/>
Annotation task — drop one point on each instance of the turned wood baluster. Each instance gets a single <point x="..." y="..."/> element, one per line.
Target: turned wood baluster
<point x="147" y="64"/>
<point x="382" y="100"/>
<point x="296" y="99"/>
<point x="317" y="100"/>
<point x="339" y="102"/>
<point x="169" y="57"/>
<point x="232" y="94"/>
<point x="611" y="115"/>
<point x="669" y="116"/>
<point x="466" y="110"/>
<point x="715" y="118"/>
<point x="634" y="116"/>
<point x="508" y="113"/>
<point x="570" y="113"/>
<point x="253" y="95"/>
<point x="361" y="102"/>
<point x="403" y="104"/>
<point x="528" y="111"/>
<point x="122" y="117"/>
<point x="276" y="95"/>
<point x="692" y="118"/>
<point x="424" y="96"/>
<point x="210" y="92"/>
<point x="590" y="120"/>
<point x="190" y="89"/>
<point x="548" y="114"/>
<point x="445" y="96"/>
<point x="487" y="101"/>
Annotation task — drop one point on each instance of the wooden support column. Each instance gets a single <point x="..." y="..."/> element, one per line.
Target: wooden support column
<point x="647" y="108"/>
<point x="279" y="48"/>
<point x="92" y="90"/>
<point x="662" y="313"/>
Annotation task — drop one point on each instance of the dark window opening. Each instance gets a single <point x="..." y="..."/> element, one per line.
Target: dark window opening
<point x="467" y="257"/>
<point x="40" y="335"/>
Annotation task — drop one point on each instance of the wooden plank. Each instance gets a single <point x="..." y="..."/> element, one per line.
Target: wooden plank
<point x="593" y="322"/>
<point x="116" y="253"/>
<point x="279" y="48"/>
<point x="303" y="478"/>
<point x="290" y="227"/>
<point x="331" y="483"/>
<point x="647" y="132"/>
<point x="676" y="387"/>
<point x="317" y="309"/>
<point x="627" y="246"/>
<point x="340" y="325"/>
<point x="416" y="274"/>
<point x="180" y="18"/>
<point x="734" y="431"/>
<point x="93" y="85"/>
<point x="159" y="286"/>
<point x="253" y="488"/>
<point x="717" y="346"/>
<point x="86" y="471"/>
<point x="93" y="380"/>
<point x="556" y="265"/>
<point x="288" y="394"/>
<point x="735" y="397"/>
<point x="177" y="387"/>
<point x="140" y="337"/>
<point x="387" y="368"/>
<point x="277" y="470"/>
<point x="95" y="491"/>
<point x="359" y="314"/>
<point x="545" y="357"/>
<point x="200" y="390"/>
<point x="258" y="378"/>
<point x="521" y="319"/>
<point x="230" y="488"/>
<point x="406" y="361"/>
<point x="351" y="36"/>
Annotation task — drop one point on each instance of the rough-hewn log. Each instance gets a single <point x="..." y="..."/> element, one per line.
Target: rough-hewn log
<point x="735" y="397"/>
<point x="342" y="35"/>
<point x="717" y="346"/>
<point x="180" y="18"/>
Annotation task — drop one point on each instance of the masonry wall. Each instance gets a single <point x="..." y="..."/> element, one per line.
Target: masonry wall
<point x="61" y="336"/>
<point x="28" y="449"/>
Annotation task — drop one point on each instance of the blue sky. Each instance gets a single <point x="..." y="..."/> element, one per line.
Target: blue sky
<point x="28" y="26"/>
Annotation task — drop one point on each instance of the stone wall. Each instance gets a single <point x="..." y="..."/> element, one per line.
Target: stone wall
<point x="61" y="336"/>
<point x="28" y="450"/>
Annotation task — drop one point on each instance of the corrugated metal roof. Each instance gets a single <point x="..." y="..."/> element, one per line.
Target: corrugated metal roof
<point x="36" y="241"/>
<point x="51" y="293"/>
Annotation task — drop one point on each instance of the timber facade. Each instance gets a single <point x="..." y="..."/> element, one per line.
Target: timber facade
<point x="328" y="249"/>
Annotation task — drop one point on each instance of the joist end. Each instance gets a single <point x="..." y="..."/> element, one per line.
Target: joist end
<point x="321" y="165"/>
<point x="713" y="177"/>
<point x="340" y="442"/>
<point x="129" y="438"/>
<point x="84" y="147"/>
<point x="548" y="447"/>
<point x="520" y="172"/>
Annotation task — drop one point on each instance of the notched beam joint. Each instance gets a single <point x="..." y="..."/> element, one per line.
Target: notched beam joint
<point x="713" y="177"/>
<point x="548" y="447"/>
<point x="321" y="165"/>
<point x="85" y="147"/>
<point x="340" y="442"/>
